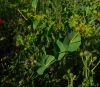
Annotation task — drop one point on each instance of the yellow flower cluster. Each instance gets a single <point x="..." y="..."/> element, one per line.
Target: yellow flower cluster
<point x="39" y="17"/>
<point x="75" y="22"/>
<point x="84" y="29"/>
<point x="81" y="27"/>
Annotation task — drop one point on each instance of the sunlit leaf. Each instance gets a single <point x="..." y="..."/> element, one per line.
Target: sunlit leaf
<point x="72" y="41"/>
<point x="60" y="45"/>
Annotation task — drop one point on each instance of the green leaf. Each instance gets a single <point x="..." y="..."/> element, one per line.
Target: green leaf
<point x="94" y="6"/>
<point x="34" y="4"/>
<point x="35" y="23"/>
<point x="60" y="36"/>
<point x="19" y="38"/>
<point x="88" y="11"/>
<point x="72" y="23"/>
<point x="44" y="51"/>
<point x="72" y="41"/>
<point x="61" y="56"/>
<point x="46" y="61"/>
<point x="50" y="27"/>
<point x="40" y="68"/>
<point x="62" y="50"/>
<point x="61" y="46"/>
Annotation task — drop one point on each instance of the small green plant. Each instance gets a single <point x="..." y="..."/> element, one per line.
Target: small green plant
<point x="71" y="42"/>
<point x="88" y="68"/>
<point x="70" y="78"/>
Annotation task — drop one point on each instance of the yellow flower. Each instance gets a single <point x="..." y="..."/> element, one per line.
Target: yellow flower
<point x="81" y="27"/>
<point x="84" y="29"/>
<point x="77" y="28"/>
<point x="40" y="17"/>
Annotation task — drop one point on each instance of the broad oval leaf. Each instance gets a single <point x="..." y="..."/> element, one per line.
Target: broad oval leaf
<point x="45" y="61"/>
<point x="72" y="41"/>
<point x="40" y="68"/>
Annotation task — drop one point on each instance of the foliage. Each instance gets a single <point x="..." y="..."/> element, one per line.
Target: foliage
<point x="46" y="42"/>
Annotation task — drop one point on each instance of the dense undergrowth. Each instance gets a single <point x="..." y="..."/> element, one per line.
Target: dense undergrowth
<point x="49" y="43"/>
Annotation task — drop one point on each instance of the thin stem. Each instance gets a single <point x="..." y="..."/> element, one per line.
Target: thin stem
<point x="22" y="15"/>
<point x="86" y="72"/>
<point x="83" y="60"/>
<point x="71" y="82"/>
<point x="95" y="66"/>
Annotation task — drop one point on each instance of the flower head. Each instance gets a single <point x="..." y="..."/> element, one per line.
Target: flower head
<point x="85" y="30"/>
<point x="40" y="16"/>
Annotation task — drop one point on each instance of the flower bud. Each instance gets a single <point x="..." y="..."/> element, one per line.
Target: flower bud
<point x="71" y="75"/>
<point x="81" y="54"/>
<point x="86" y="53"/>
<point x="94" y="58"/>
<point x="74" y="76"/>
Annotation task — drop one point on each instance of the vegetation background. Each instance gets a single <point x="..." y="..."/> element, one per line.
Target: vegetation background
<point x="49" y="43"/>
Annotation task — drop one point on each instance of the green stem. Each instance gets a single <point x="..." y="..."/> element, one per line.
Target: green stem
<point x="22" y="15"/>
<point x="95" y="66"/>
<point x="83" y="61"/>
<point x="71" y="82"/>
<point x="86" y="72"/>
